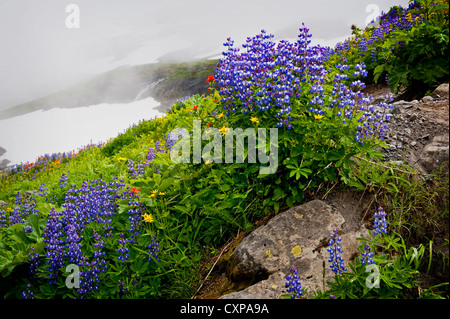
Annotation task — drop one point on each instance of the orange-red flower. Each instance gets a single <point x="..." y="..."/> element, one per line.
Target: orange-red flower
<point x="210" y="79"/>
<point x="195" y="107"/>
<point x="135" y="190"/>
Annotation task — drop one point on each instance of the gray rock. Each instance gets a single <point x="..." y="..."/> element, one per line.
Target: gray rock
<point x="4" y="163"/>
<point x="441" y="91"/>
<point x="30" y="193"/>
<point x="378" y="99"/>
<point x="399" y="103"/>
<point x="427" y="99"/>
<point x="297" y="237"/>
<point x="2" y="204"/>
<point x="435" y="154"/>
<point x="270" y="288"/>
<point x="412" y="117"/>
<point x="2" y="151"/>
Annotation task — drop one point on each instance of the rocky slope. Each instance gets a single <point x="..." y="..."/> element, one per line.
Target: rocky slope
<point x="418" y="131"/>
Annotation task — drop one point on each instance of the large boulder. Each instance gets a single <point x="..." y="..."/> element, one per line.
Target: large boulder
<point x="298" y="237"/>
<point x="441" y="91"/>
<point x="435" y="154"/>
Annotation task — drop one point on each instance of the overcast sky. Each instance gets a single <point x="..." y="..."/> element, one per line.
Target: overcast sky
<point x="40" y="55"/>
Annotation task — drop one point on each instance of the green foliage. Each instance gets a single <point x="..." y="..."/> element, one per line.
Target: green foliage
<point x="15" y="243"/>
<point x="420" y="63"/>
<point x="410" y="49"/>
<point x="394" y="273"/>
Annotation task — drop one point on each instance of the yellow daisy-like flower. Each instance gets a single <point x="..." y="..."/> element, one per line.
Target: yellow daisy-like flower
<point x="207" y="162"/>
<point x="318" y="117"/>
<point x="254" y="120"/>
<point x="162" y="193"/>
<point x="148" y="218"/>
<point x="223" y="130"/>
<point x="120" y="159"/>
<point x="154" y="193"/>
<point x="219" y="116"/>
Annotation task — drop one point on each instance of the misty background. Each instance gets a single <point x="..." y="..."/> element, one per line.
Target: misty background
<point x="40" y="55"/>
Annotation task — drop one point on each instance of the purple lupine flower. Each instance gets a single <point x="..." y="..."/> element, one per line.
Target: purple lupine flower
<point x="380" y="222"/>
<point x="335" y="250"/>
<point x="293" y="284"/>
<point x="153" y="250"/>
<point x="34" y="262"/>
<point x="27" y="229"/>
<point x="3" y="220"/>
<point x="366" y="256"/>
<point x="123" y="249"/>
<point x="28" y="294"/>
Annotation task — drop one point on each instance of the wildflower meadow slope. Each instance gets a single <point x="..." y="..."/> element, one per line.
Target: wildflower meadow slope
<point x="122" y="219"/>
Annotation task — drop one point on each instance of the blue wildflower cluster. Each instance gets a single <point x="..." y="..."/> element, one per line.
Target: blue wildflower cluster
<point x="135" y="169"/>
<point x="88" y="209"/>
<point x="25" y="206"/>
<point x="380" y="222"/>
<point x="398" y="18"/>
<point x="335" y="250"/>
<point x="63" y="181"/>
<point x="42" y="190"/>
<point x="3" y="220"/>
<point x="138" y="169"/>
<point x="367" y="255"/>
<point x="174" y="136"/>
<point x="33" y="259"/>
<point x="293" y="284"/>
<point x="53" y="237"/>
<point x="269" y="77"/>
<point x="28" y="294"/>
<point x="153" y="250"/>
<point x="123" y="249"/>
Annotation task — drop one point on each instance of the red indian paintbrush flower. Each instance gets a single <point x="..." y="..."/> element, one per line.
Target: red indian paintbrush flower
<point x="210" y="79"/>
<point x="135" y="190"/>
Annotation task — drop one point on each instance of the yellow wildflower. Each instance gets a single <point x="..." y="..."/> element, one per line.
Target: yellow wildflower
<point x="219" y="116"/>
<point x="154" y="193"/>
<point x="120" y="159"/>
<point x="148" y="218"/>
<point x="254" y="120"/>
<point x="318" y="117"/>
<point x="223" y="130"/>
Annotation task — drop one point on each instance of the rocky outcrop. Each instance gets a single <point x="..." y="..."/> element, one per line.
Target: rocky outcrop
<point x="417" y="132"/>
<point x="3" y="162"/>
<point x="298" y="237"/>
<point x="441" y="91"/>
<point x="436" y="154"/>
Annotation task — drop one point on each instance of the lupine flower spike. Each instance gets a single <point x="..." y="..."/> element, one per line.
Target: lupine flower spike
<point x="380" y="223"/>
<point x="335" y="250"/>
<point x="293" y="284"/>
